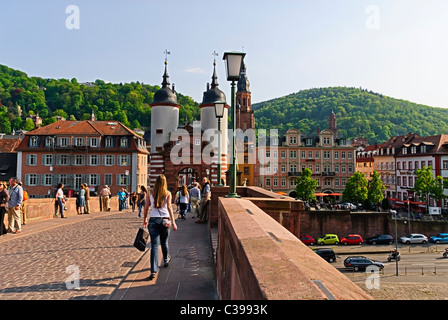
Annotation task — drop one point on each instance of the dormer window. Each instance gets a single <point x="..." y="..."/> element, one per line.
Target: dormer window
<point x="49" y="142"/>
<point x="34" y="141"/>
<point x="109" y="142"/>
<point x="309" y="141"/>
<point x="79" y="142"/>
<point x="124" y="142"/>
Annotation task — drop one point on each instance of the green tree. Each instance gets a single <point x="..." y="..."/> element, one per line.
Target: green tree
<point x="305" y="186"/>
<point x="426" y="186"/>
<point x="356" y="188"/>
<point x="29" y="125"/>
<point x="375" y="189"/>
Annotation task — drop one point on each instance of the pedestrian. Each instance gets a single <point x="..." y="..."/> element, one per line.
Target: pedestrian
<point x="133" y="200"/>
<point x="184" y="198"/>
<point x="82" y="199"/>
<point x="78" y="200"/>
<point x="195" y="199"/>
<point x="121" y="199"/>
<point x="4" y="198"/>
<point x="14" y="204"/>
<point x="60" y="199"/>
<point x="141" y="200"/>
<point x="205" y="198"/>
<point x="161" y="210"/>
<point x="177" y="199"/>
<point x="87" y="196"/>
<point x="23" y="207"/>
<point x="105" y="198"/>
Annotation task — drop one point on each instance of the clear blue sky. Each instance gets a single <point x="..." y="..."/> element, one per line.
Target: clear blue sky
<point x="397" y="48"/>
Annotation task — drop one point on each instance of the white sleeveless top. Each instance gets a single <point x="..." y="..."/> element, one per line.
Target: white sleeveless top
<point x="159" y="212"/>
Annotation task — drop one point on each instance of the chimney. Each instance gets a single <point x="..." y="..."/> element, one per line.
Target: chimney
<point x="318" y="130"/>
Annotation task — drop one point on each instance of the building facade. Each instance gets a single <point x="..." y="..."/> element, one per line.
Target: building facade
<point x="75" y="152"/>
<point x="330" y="158"/>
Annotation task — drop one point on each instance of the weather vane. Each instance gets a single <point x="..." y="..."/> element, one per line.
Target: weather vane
<point x="166" y="52"/>
<point x="214" y="60"/>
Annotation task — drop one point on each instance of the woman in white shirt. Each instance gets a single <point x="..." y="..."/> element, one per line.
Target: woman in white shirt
<point x="160" y="214"/>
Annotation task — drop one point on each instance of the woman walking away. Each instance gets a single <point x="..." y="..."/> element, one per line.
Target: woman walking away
<point x="141" y="200"/>
<point x="160" y="214"/>
<point x="4" y="198"/>
<point x="184" y="197"/>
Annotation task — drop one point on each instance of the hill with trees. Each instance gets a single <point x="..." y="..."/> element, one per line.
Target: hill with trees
<point x="358" y="112"/>
<point x="21" y="95"/>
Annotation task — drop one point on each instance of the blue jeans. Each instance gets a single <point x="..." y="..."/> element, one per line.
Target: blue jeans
<point x="61" y="207"/>
<point x="140" y="208"/>
<point x="159" y="236"/>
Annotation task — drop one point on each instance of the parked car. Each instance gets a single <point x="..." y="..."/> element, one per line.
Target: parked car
<point x="326" y="254"/>
<point x="307" y="239"/>
<point x="328" y="239"/>
<point x="440" y="238"/>
<point x="348" y="259"/>
<point x="348" y="206"/>
<point x="352" y="239"/>
<point x="414" y="238"/>
<point x="361" y="263"/>
<point x="380" y="239"/>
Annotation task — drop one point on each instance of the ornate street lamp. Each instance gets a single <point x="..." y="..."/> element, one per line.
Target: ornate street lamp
<point x="234" y="62"/>
<point x="219" y="113"/>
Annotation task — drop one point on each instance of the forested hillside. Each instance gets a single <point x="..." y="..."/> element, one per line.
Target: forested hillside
<point x="128" y="103"/>
<point x="358" y="112"/>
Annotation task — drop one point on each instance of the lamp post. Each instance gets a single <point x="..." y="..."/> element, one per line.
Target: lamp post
<point x="234" y="61"/>
<point x="219" y="112"/>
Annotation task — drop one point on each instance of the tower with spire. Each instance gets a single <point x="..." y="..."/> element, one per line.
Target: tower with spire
<point x="245" y="118"/>
<point x="164" y="120"/>
<point x="209" y="123"/>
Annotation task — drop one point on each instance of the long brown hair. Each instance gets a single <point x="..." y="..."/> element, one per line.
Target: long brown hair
<point x="184" y="190"/>
<point x="160" y="191"/>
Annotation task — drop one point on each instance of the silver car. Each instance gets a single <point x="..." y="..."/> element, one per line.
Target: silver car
<point x="414" y="238"/>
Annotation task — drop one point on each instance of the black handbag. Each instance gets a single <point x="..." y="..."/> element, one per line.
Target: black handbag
<point x="141" y="239"/>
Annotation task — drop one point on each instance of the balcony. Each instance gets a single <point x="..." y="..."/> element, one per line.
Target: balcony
<point x="328" y="174"/>
<point x="293" y="174"/>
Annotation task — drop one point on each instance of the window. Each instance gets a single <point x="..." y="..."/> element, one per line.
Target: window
<point x="326" y="154"/>
<point x="79" y="142"/>
<point x="292" y="140"/>
<point x="94" y="160"/>
<point x="283" y="168"/>
<point x="275" y="182"/>
<point x="93" y="179"/>
<point x="47" y="160"/>
<point x="31" y="179"/>
<point x="303" y="154"/>
<point x="268" y="182"/>
<point x="293" y="168"/>
<point x="293" y="154"/>
<point x="63" y="142"/>
<point x="197" y="142"/>
<point x="310" y="154"/>
<point x="109" y="142"/>
<point x="78" y="160"/>
<point x="159" y="131"/>
<point x="108" y="179"/>
<point x="47" y="179"/>
<point x="309" y="142"/>
<point x="122" y="179"/>
<point x="246" y="171"/>
<point x="124" y="142"/>
<point x="342" y="154"/>
<point x="34" y="141"/>
<point x="31" y="159"/>
<point x="109" y="160"/>
<point x="63" y="160"/>
<point x="49" y="142"/>
<point x="283" y="154"/>
<point x="336" y="154"/>
<point x="283" y="182"/>
<point x="123" y="160"/>
<point x="326" y="140"/>
<point x="94" y="142"/>
<point x="445" y="165"/>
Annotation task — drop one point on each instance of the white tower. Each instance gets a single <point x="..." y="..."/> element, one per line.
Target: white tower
<point x="164" y="114"/>
<point x="209" y="125"/>
<point x="164" y="120"/>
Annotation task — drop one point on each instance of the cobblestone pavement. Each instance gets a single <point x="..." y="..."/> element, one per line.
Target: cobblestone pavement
<point x="44" y="265"/>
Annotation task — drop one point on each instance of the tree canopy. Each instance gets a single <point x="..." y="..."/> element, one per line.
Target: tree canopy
<point x="359" y="112"/>
<point x="21" y="95"/>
